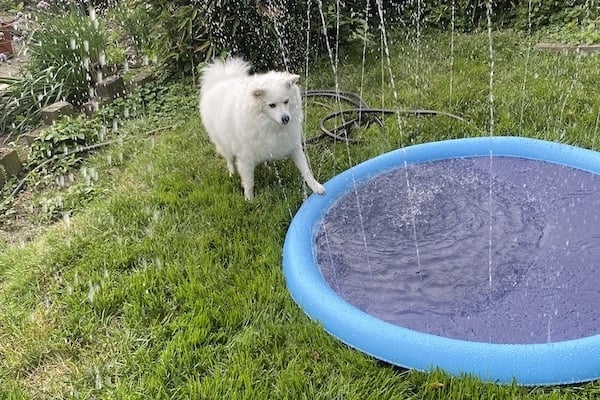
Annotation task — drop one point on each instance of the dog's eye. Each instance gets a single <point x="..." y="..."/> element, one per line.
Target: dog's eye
<point x="287" y="101"/>
<point x="272" y="105"/>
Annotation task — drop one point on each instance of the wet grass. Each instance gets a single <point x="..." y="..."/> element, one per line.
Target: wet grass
<point x="168" y="285"/>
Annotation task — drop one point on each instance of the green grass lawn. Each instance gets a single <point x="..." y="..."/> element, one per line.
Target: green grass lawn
<point x="167" y="284"/>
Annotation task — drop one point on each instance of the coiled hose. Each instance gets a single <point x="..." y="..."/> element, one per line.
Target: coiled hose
<point x="363" y="115"/>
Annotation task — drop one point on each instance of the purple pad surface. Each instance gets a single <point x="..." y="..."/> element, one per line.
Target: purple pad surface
<point x="499" y="250"/>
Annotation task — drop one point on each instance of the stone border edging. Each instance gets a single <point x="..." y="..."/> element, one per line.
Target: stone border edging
<point x="568" y="48"/>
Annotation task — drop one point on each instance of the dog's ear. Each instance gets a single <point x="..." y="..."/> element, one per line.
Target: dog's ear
<point x="257" y="92"/>
<point x="292" y="79"/>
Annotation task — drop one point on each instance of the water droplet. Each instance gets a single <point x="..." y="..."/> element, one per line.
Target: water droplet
<point x="67" y="220"/>
<point x="92" y="291"/>
<point x="98" y="382"/>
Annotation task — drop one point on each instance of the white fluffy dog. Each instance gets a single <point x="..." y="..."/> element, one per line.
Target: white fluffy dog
<point x="253" y="118"/>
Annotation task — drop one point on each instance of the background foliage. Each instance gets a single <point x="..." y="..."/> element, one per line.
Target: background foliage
<point x="273" y="33"/>
<point x="68" y="45"/>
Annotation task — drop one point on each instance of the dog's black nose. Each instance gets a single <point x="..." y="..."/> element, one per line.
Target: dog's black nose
<point x="285" y="119"/>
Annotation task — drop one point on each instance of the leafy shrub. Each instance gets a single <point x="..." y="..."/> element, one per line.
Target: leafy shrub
<point x="524" y="15"/>
<point x="273" y="33"/>
<point x="547" y="12"/>
<point x="270" y="33"/>
<point x="189" y="31"/>
<point x="83" y="5"/>
<point x="350" y="21"/>
<point x="586" y="32"/>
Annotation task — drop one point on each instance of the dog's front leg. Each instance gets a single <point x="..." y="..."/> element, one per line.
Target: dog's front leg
<point x="246" y="171"/>
<point x="299" y="159"/>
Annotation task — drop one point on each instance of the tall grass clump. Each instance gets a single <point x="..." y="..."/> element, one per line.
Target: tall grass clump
<point x="132" y="26"/>
<point x="21" y="103"/>
<point x="74" y="42"/>
<point x="66" y="52"/>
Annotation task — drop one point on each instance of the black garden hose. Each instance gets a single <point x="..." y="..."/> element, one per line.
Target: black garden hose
<point x="364" y="114"/>
<point x="77" y="150"/>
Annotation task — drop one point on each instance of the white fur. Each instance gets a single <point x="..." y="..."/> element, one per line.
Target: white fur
<point x="253" y="118"/>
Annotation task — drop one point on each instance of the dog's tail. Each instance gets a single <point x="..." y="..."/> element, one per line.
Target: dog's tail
<point x="222" y="70"/>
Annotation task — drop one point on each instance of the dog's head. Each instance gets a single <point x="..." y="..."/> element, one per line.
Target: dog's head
<point x="278" y="96"/>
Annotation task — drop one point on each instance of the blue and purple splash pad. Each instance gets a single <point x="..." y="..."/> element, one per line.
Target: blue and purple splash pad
<point x="398" y="309"/>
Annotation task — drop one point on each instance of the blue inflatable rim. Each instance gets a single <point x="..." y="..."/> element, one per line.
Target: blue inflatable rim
<point x="565" y="362"/>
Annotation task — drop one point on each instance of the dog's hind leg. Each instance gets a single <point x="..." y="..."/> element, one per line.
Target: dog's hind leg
<point x="246" y="171"/>
<point x="302" y="164"/>
<point x="229" y="158"/>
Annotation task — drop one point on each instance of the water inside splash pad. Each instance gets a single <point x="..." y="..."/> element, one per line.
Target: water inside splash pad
<point x="535" y="286"/>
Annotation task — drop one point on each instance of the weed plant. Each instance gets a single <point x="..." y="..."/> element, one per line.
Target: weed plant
<point x="168" y="284"/>
<point x="62" y="137"/>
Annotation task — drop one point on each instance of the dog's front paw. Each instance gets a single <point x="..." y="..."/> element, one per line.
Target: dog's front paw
<point x="318" y="189"/>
